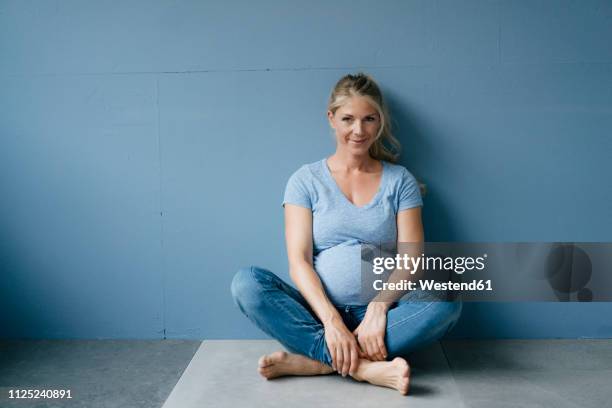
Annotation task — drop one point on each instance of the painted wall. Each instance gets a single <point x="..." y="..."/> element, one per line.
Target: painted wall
<point x="145" y="146"/>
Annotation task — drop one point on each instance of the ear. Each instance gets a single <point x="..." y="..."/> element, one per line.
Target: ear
<point x="330" y="117"/>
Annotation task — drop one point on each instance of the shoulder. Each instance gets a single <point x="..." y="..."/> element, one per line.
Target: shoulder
<point x="302" y="185"/>
<point x="399" y="173"/>
<point x="306" y="172"/>
<point x="404" y="187"/>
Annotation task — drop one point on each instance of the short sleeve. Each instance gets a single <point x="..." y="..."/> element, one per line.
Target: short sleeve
<point x="409" y="192"/>
<point x="297" y="191"/>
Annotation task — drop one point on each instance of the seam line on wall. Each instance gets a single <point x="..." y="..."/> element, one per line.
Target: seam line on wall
<point x="161" y="211"/>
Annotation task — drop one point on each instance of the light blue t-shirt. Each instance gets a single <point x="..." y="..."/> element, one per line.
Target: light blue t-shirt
<point x="340" y="227"/>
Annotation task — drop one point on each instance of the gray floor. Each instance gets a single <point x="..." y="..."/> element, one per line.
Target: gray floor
<point x="99" y="373"/>
<point x="186" y="374"/>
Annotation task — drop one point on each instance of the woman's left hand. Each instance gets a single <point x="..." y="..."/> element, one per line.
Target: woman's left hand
<point x="371" y="332"/>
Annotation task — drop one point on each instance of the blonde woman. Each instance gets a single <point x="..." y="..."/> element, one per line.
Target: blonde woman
<point x="357" y="195"/>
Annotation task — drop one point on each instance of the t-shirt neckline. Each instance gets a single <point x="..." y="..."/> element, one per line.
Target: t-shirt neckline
<point x="338" y="190"/>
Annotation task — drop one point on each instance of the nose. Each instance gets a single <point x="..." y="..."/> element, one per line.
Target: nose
<point x="357" y="127"/>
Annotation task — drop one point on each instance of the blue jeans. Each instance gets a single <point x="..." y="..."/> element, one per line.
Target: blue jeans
<point x="282" y="312"/>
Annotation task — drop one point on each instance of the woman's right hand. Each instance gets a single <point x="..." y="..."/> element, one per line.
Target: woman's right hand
<point x="342" y="346"/>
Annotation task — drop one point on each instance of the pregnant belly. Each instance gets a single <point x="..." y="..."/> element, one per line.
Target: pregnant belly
<point x="339" y="268"/>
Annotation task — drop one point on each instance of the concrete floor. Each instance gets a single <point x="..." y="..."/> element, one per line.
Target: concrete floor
<point x="186" y="374"/>
<point x="99" y="373"/>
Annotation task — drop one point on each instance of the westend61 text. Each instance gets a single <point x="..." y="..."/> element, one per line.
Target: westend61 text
<point x="405" y="284"/>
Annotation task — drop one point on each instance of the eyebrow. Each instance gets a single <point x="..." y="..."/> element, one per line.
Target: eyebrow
<point x="370" y="114"/>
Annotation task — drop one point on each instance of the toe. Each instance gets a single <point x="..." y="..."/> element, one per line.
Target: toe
<point x="279" y="355"/>
<point x="403" y="372"/>
<point x="402" y="365"/>
<point x="263" y="361"/>
<point x="264" y="372"/>
<point x="405" y="382"/>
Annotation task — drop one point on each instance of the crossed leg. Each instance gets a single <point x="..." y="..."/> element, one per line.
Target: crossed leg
<point x="282" y="312"/>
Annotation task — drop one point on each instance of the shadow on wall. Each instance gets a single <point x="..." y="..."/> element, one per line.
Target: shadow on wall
<point x="16" y="317"/>
<point x="417" y="152"/>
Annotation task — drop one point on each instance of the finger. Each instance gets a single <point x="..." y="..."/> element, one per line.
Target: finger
<point x="366" y="351"/>
<point x="379" y="354"/>
<point x="371" y="351"/>
<point x="357" y="361"/>
<point x="339" y="360"/>
<point x="347" y="360"/>
<point x="375" y="350"/>
<point x="354" y="361"/>
<point x="362" y="350"/>
<point x="383" y="349"/>
<point x="332" y="353"/>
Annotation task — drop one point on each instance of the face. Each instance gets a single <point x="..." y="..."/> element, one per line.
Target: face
<point x="356" y="124"/>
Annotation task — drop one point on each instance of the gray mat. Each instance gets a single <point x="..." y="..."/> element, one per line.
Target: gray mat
<point x="532" y="373"/>
<point x="223" y="373"/>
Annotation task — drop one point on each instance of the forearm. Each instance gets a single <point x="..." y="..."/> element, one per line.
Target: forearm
<point x="310" y="286"/>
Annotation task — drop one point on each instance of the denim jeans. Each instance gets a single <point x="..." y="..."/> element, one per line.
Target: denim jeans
<point x="282" y="312"/>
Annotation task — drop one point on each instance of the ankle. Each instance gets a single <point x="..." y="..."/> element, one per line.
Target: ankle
<point x="360" y="374"/>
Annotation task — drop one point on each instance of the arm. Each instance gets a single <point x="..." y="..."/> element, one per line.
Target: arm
<point x="340" y="341"/>
<point x="409" y="230"/>
<point x="298" y="236"/>
<point x="371" y="332"/>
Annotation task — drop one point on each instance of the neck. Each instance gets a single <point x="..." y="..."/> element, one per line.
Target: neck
<point x="343" y="161"/>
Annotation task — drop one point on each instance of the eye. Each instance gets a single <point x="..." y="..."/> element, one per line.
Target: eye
<point x="370" y="118"/>
<point x="346" y="119"/>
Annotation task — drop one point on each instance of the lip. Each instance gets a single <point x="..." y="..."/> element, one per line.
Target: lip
<point x="358" y="141"/>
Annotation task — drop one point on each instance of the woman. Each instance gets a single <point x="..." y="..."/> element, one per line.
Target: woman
<point x="332" y="206"/>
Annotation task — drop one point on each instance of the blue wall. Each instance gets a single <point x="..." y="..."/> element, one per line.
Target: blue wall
<point x="145" y="145"/>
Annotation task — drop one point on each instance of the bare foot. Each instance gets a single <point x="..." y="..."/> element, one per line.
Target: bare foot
<point x="393" y="374"/>
<point x="282" y="363"/>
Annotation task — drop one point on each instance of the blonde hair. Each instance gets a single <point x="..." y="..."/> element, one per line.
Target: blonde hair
<point x="386" y="147"/>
